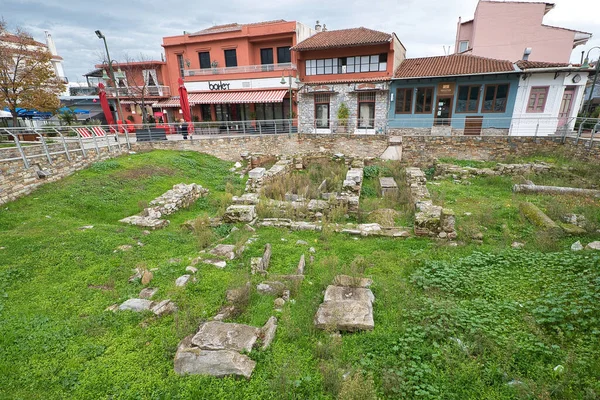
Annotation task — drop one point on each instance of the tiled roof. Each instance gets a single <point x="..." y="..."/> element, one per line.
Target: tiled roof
<point x="541" y="64"/>
<point x="355" y="80"/>
<point x="343" y="38"/>
<point x="454" y="64"/>
<point x="231" y="27"/>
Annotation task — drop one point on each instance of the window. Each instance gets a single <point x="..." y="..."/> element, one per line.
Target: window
<point x="468" y="99"/>
<point x="206" y="113"/>
<point x="283" y="55"/>
<point x="346" y="65"/>
<point x="537" y="99"/>
<point x="322" y="111"/>
<point x="204" y="59"/>
<point x="366" y="110"/>
<point x="230" y="58"/>
<point x="180" y="64"/>
<point x="463" y="46"/>
<point x="495" y="98"/>
<point x="423" y="100"/>
<point x="266" y="56"/>
<point x="404" y="101"/>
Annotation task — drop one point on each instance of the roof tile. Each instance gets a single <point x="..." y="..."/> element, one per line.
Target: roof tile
<point x="454" y="64"/>
<point x="343" y="38"/>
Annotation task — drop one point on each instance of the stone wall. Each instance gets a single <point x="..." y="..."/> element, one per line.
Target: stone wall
<point x="419" y="150"/>
<point x="17" y="181"/>
<point x="230" y="148"/>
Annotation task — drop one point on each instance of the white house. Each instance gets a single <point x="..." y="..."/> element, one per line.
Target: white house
<point x="548" y="99"/>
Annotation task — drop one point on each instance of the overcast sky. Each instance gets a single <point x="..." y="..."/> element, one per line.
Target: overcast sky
<point x="137" y="26"/>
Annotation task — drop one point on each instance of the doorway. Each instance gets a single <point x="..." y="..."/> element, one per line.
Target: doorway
<point x="565" y="106"/>
<point x="443" y="111"/>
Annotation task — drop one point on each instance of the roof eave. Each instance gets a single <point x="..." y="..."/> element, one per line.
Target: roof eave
<point x="457" y="75"/>
<point x="342" y="46"/>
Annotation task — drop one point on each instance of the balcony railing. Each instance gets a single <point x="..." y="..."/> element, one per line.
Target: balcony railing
<point x="139" y="91"/>
<point x="240" y="69"/>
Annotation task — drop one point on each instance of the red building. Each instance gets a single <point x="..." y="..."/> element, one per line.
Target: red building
<point x="352" y="67"/>
<point x="234" y="72"/>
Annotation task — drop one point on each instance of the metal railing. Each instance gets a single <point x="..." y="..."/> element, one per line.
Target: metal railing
<point x="49" y="142"/>
<point x="239" y="69"/>
<point x="139" y="91"/>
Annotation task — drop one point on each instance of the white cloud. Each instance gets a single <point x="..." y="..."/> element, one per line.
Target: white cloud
<point x="138" y="26"/>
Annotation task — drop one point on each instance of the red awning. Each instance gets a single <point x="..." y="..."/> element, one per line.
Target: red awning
<point x="252" y="96"/>
<point x="255" y="96"/>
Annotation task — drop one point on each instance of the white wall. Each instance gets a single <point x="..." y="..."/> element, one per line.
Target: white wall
<point x="242" y="84"/>
<point x="545" y="123"/>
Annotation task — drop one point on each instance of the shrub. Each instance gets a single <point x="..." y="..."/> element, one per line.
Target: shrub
<point x="204" y="234"/>
<point x="358" y="387"/>
<point x="371" y="171"/>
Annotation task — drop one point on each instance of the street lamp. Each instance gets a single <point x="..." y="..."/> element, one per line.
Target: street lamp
<point x="289" y="81"/>
<point x="112" y="75"/>
<point x="586" y="64"/>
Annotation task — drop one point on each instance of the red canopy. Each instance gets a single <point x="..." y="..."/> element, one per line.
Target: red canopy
<point x="104" y="104"/>
<point x="185" y="105"/>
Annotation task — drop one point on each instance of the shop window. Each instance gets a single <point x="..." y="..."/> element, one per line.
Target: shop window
<point x="423" y="100"/>
<point x="284" y="55"/>
<point x="347" y="65"/>
<point x="204" y="57"/>
<point x="206" y="114"/>
<point x="537" y="99"/>
<point x="322" y="111"/>
<point x="468" y="99"/>
<point x="366" y="110"/>
<point x="404" y="101"/>
<point x="230" y="58"/>
<point x="496" y="97"/>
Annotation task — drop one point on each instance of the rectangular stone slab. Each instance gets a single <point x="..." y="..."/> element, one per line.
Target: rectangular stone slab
<point x="344" y="293"/>
<point x="387" y="182"/>
<point x="220" y="363"/>
<point x="348" y="315"/>
<point x="215" y="335"/>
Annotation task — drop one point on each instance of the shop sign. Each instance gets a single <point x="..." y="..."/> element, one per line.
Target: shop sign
<point x="218" y="86"/>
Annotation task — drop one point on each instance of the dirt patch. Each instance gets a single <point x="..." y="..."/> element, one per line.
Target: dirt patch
<point x="145" y="171"/>
<point x="104" y="288"/>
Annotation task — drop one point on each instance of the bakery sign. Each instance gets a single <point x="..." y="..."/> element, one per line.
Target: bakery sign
<point x="218" y="86"/>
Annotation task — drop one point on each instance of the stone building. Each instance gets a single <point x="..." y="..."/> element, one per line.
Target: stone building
<point x="352" y="67"/>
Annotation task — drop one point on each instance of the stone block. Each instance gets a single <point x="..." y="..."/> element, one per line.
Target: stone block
<point x="215" y="335"/>
<point x="136" y="305"/>
<point x="240" y="213"/>
<point x="221" y="363"/>
<point x="224" y="250"/>
<point x="257" y="173"/>
<point x="345" y="315"/>
<point x="340" y="293"/>
<point x="267" y="333"/>
<point x="352" y="281"/>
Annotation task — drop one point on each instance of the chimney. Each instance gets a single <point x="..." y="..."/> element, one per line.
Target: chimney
<point x="318" y="27"/>
<point x="526" y="53"/>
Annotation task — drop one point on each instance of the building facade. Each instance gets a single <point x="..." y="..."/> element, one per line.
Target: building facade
<point x="458" y="93"/>
<point x="236" y="72"/>
<point x="345" y="77"/>
<point x="507" y="30"/>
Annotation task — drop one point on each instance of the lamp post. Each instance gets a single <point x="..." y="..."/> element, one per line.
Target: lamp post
<point x="289" y="81"/>
<point x="586" y="64"/>
<point x="112" y="75"/>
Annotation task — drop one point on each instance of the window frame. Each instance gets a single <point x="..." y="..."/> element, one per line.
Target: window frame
<point x="424" y="99"/>
<point x="466" y="47"/>
<point x="265" y="51"/>
<point x="492" y="111"/>
<point x="181" y="65"/>
<point x="410" y="105"/>
<point x="535" y="104"/>
<point x="289" y="54"/>
<point x="225" y="52"/>
<point x="477" y="107"/>
<point x="319" y="98"/>
<point x="200" y="53"/>
<point x="371" y="99"/>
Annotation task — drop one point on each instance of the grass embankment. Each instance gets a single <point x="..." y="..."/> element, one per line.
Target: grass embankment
<point x="473" y="321"/>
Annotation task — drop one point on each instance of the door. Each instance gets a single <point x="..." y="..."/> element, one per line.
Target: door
<point x="366" y="115"/>
<point x="565" y="106"/>
<point x="473" y="125"/>
<point x="443" y="111"/>
<point x="322" y="116"/>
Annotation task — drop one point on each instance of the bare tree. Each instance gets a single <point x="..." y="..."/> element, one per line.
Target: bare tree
<point x="27" y="78"/>
<point x="142" y="82"/>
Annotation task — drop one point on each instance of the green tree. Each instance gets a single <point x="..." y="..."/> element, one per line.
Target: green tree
<point x="27" y="78"/>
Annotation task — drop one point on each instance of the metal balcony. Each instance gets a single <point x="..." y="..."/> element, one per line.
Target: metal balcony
<point x="240" y="69"/>
<point x="139" y="91"/>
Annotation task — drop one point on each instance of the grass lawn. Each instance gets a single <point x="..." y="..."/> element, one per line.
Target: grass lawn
<point x="476" y="321"/>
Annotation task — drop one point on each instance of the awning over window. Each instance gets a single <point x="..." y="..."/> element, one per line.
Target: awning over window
<point x="254" y="96"/>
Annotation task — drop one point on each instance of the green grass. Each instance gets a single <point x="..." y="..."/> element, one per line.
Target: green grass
<point x="450" y="322"/>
